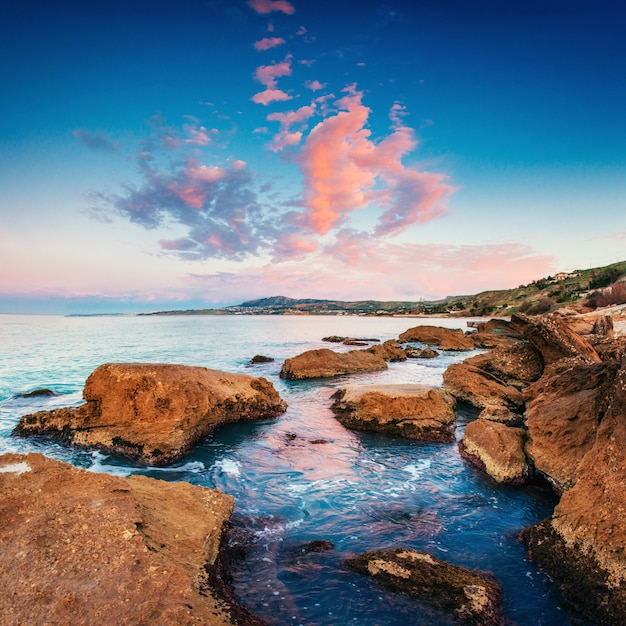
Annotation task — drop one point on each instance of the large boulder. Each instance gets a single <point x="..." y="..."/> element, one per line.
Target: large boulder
<point x="563" y="410"/>
<point x="413" y="411"/>
<point x="325" y="363"/>
<point x="496" y="449"/>
<point x="83" y="548"/>
<point x="496" y="332"/>
<point x="553" y="338"/>
<point x="444" y="338"/>
<point x="155" y="413"/>
<point x="390" y="351"/>
<point x="583" y="544"/>
<point x="480" y="388"/>
<point x="469" y="596"/>
<point x="518" y="363"/>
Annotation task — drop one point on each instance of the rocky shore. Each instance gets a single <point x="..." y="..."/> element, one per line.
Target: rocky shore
<point x="551" y="391"/>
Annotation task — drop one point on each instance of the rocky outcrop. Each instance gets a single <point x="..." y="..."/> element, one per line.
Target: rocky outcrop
<point x="83" y="548"/>
<point x="553" y="338"/>
<point x="496" y="449"/>
<point x="325" y="363"/>
<point x="413" y="411"/>
<point x="517" y="363"/>
<point x="469" y="596"/>
<point x="444" y="338"/>
<point x="420" y="353"/>
<point x="260" y="358"/>
<point x="563" y="410"/>
<point x="479" y="388"/>
<point x="494" y="333"/>
<point x="155" y="413"/>
<point x="390" y="351"/>
<point x="583" y="544"/>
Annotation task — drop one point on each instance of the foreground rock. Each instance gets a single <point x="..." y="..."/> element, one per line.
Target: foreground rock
<point x="155" y="413"/>
<point x="325" y="363"/>
<point x="82" y="548"/>
<point x="479" y="388"/>
<point x="563" y="411"/>
<point x="444" y="338"/>
<point x="391" y="351"/>
<point x="469" y="596"/>
<point x="496" y="449"/>
<point x="413" y="411"/>
<point x="583" y="544"/>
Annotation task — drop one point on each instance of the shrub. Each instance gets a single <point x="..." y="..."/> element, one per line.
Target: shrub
<point x="543" y="305"/>
<point x="604" y="278"/>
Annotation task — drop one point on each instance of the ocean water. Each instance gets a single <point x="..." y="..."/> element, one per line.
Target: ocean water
<point x="303" y="476"/>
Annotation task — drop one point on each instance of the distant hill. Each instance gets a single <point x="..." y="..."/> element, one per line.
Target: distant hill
<point x="592" y="287"/>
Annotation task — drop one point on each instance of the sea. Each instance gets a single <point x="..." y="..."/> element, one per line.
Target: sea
<point x="301" y="477"/>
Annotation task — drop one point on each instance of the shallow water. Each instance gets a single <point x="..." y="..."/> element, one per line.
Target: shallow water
<point x="302" y="476"/>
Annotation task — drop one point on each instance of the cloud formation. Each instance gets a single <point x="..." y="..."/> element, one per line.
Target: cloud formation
<point x="95" y="141"/>
<point x="268" y="42"/>
<point x="267" y="75"/>
<point x="267" y="6"/>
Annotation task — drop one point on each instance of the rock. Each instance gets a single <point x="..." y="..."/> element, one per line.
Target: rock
<point x="259" y="358"/>
<point x="155" y="413"/>
<point x="317" y="545"/>
<point x="354" y="342"/>
<point x="417" y="353"/>
<point x="563" y="410"/>
<point x="479" y="388"/>
<point x="413" y="411"/>
<point x="390" y="351"/>
<point x="325" y="363"/>
<point x="501" y="414"/>
<point x="347" y="340"/>
<point x="334" y="339"/>
<point x="603" y="326"/>
<point x="496" y="449"/>
<point x="84" y="548"/>
<point x="517" y="363"/>
<point x="444" y="338"/>
<point x="37" y="393"/>
<point x="472" y="597"/>
<point x="583" y="544"/>
<point x="494" y="333"/>
<point x="553" y="338"/>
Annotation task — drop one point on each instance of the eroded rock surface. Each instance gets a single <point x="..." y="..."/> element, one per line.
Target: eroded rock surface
<point x="325" y="363"/>
<point x="470" y="596"/>
<point x="390" y="351"/>
<point x="563" y="411"/>
<point x="496" y="449"/>
<point x="155" y="413"/>
<point x="444" y="338"/>
<point x="583" y="544"/>
<point x="83" y="548"/>
<point x="414" y="411"/>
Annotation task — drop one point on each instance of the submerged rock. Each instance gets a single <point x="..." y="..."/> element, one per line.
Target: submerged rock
<point x="583" y="544"/>
<point x="155" y="413"/>
<point x="260" y="358"/>
<point x="470" y="596"/>
<point x="496" y="449"/>
<point x="37" y="393"/>
<point x="444" y="338"/>
<point x="413" y="411"/>
<point x="325" y="363"/>
<point x="85" y="548"/>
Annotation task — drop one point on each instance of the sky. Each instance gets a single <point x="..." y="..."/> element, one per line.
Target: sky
<point x="199" y="153"/>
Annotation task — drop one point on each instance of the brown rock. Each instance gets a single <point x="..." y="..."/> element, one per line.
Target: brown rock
<point x="155" y="413"/>
<point x="470" y="596"/>
<point x="83" y="548"/>
<point x="390" y="351"/>
<point x="419" y="353"/>
<point x="494" y="333"/>
<point x="479" y="388"/>
<point x="554" y="339"/>
<point x="501" y="414"/>
<point x="413" y="411"/>
<point x="325" y="363"/>
<point x="563" y="410"/>
<point x="517" y="363"/>
<point x="583" y="544"/>
<point x="444" y="338"/>
<point x="496" y="449"/>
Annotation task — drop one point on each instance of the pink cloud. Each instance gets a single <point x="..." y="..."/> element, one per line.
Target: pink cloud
<point x="314" y="85"/>
<point x="267" y="6"/>
<point x="285" y="137"/>
<point x="345" y="170"/>
<point x="270" y="95"/>
<point x="268" y="42"/>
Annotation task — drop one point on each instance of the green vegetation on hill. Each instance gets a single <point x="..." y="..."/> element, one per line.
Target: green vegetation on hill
<point x="591" y="288"/>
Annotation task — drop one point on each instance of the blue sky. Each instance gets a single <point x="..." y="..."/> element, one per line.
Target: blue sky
<point x="199" y="153"/>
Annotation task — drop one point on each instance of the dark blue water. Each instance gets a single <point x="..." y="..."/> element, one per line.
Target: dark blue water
<point x="303" y="476"/>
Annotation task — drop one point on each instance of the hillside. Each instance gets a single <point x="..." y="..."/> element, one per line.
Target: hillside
<point x="589" y="288"/>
